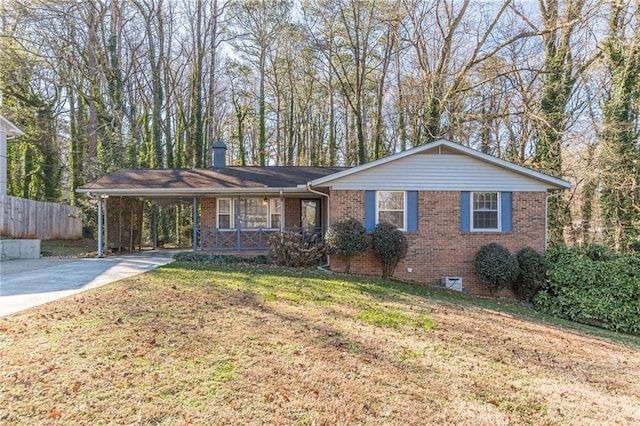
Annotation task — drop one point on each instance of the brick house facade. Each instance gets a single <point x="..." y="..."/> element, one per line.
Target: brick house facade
<point x="439" y="248"/>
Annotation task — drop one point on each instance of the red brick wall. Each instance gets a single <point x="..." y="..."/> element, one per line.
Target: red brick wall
<point x="207" y="212"/>
<point x="291" y="212"/>
<point x="439" y="248"/>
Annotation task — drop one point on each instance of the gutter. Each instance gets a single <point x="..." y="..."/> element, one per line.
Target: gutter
<point x="187" y="192"/>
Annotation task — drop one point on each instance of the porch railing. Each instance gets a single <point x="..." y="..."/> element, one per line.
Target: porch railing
<point x="210" y="239"/>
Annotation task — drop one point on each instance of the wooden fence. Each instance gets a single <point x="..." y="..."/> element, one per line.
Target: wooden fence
<point x="21" y="218"/>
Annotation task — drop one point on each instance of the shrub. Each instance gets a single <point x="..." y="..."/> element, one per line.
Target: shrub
<point x="219" y="259"/>
<point x="532" y="273"/>
<point x="596" y="290"/>
<point x="346" y="238"/>
<point x="296" y="249"/>
<point x="390" y="246"/>
<point x="496" y="267"/>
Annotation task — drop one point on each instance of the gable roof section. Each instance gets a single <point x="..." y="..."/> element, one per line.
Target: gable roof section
<point x="185" y="182"/>
<point x="10" y="128"/>
<point x="443" y="146"/>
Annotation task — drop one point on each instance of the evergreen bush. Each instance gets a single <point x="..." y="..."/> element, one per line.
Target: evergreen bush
<point x="346" y="238"/>
<point x="219" y="259"/>
<point x="597" y="290"/>
<point x="390" y="246"/>
<point x="496" y="267"/>
<point x="532" y="273"/>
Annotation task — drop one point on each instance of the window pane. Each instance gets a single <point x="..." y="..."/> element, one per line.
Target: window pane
<point x="390" y="200"/>
<point x="394" y="217"/>
<point x="275" y="208"/>
<point x="485" y="201"/>
<point x="224" y="221"/>
<point x="275" y="205"/>
<point x="485" y="220"/>
<point x="253" y="213"/>
<point x="224" y="206"/>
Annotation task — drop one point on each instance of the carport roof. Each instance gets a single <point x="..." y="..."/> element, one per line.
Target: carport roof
<point x="189" y="182"/>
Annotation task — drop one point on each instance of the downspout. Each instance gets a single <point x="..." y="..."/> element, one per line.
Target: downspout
<point x="546" y="217"/>
<point x="322" y="268"/>
<point x="313" y="191"/>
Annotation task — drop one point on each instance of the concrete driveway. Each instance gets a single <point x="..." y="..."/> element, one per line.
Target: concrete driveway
<point x="25" y="284"/>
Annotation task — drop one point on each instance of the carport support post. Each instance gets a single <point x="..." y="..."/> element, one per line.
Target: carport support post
<point x="154" y="225"/>
<point x="195" y="224"/>
<point x="100" y="250"/>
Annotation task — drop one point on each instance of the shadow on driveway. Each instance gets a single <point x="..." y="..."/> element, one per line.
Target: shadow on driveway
<point x="28" y="283"/>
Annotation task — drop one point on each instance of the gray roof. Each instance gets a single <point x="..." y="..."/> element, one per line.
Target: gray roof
<point x="143" y="182"/>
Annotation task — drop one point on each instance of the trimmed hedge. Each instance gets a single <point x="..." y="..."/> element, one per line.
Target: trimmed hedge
<point x="220" y="259"/>
<point x="496" y="267"/>
<point x="390" y="247"/>
<point x="346" y="238"/>
<point x="590" y="285"/>
<point x="532" y="273"/>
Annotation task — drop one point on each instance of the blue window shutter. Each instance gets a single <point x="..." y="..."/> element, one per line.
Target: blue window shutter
<point x="505" y="213"/>
<point x="412" y="211"/>
<point x="465" y="211"/>
<point x="370" y="210"/>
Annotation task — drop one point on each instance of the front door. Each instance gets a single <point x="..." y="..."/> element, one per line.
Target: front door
<point x="310" y="216"/>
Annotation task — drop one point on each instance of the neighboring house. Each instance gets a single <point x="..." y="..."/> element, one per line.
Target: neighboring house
<point x="449" y="199"/>
<point x="8" y="130"/>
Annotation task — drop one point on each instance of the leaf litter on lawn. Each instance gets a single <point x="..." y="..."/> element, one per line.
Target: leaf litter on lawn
<point x="262" y="345"/>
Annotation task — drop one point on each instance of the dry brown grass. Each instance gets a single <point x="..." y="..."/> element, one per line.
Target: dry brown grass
<point x="252" y="346"/>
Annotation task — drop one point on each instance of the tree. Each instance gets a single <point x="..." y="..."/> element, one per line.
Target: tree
<point x="258" y="23"/>
<point x="562" y="69"/>
<point x="620" y="196"/>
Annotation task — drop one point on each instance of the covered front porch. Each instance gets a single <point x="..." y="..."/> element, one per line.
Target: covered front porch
<point x="219" y="223"/>
<point x="246" y="223"/>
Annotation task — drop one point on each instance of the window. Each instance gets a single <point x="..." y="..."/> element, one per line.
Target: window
<point x="225" y="213"/>
<point x="275" y="209"/>
<point x="391" y="208"/>
<point x="253" y="213"/>
<point x="485" y="211"/>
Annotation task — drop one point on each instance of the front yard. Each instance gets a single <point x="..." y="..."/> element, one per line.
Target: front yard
<point x="197" y="344"/>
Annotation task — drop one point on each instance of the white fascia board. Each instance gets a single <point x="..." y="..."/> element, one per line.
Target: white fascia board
<point x="556" y="182"/>
<point x="10" y="128"/>
<point x="163" y="192"/>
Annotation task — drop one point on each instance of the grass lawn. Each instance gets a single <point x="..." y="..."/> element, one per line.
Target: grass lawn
<point x="199" y="344"/>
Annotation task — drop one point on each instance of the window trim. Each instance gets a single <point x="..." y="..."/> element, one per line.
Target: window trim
<point x="472" y="228"/>
<point x="271" y="203"/>
<point x="404" y="208"/>
<point x="233" y="213"/>
<point x="232" y="216"/>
